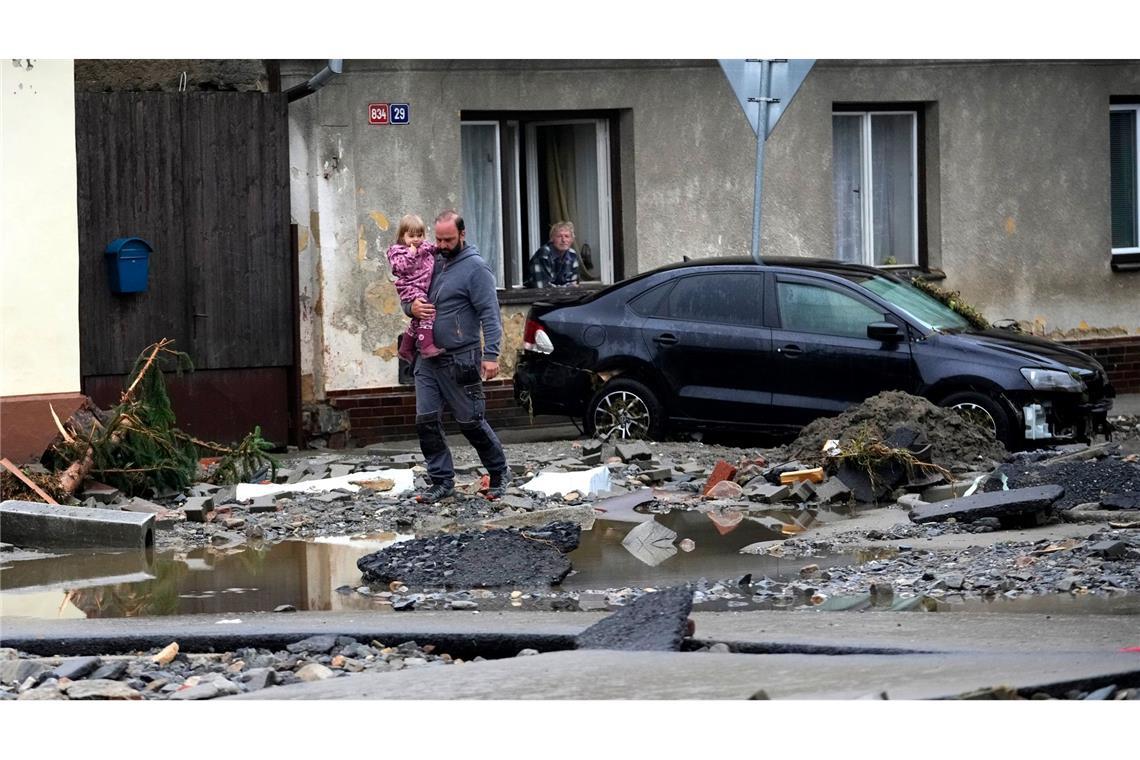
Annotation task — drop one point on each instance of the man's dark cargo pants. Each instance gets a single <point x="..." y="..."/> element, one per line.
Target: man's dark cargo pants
<point x="454" y="380"/>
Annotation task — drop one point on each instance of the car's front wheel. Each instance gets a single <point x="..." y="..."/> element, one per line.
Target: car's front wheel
<point x="622" y="409"/>
<point x="982" y="410"/>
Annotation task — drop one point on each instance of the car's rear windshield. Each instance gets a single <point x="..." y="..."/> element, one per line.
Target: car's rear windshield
<point x="925" y="309"/>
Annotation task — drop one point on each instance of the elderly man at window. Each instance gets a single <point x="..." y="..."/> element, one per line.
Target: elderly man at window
<point x="556" y="264"/>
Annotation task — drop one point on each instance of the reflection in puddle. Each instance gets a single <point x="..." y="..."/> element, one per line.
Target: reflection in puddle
<point x="299" y="573"/>
<point x="312" y="575"/>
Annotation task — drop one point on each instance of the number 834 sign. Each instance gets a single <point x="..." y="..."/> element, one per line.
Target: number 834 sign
<point x="389" y="113"/>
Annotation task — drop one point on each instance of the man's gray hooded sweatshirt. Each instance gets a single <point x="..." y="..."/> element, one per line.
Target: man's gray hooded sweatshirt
<point x="463" y="293"/>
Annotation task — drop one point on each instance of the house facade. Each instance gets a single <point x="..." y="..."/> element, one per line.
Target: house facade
<point x="39" y="261"/>
<point x="1013" y="182"/>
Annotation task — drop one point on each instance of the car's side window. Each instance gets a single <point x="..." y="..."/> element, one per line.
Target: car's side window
<point x="815" y="309"/>
<point x="653" y="302"/>
<point x="727" y="297"/>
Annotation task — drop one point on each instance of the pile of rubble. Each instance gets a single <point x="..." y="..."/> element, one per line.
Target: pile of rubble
<point x="955" y="443"/>
<point x="171" y="674"/>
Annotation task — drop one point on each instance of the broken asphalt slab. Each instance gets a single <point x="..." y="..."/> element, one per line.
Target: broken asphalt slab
<point x="1013" y="507"/>
<point x="656" y="621"/>
<point x="488" y="559"/>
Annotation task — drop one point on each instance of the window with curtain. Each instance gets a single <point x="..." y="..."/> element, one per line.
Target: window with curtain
<point x="482" y="193"/>
<point x="1124" y="145"/>
<point x="875" y="186"/>
<point x="548" y="167"/>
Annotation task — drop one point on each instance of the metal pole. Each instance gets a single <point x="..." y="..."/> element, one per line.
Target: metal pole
<point x="761" y="138"/>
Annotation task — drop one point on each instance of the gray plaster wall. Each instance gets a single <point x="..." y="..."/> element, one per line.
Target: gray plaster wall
<point x="1016" y="190"/>
<point x="684" y="180"/>
<point x="1018" y="199"/>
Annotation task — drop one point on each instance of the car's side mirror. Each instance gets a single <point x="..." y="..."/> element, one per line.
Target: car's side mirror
<point x="887" y="332"/>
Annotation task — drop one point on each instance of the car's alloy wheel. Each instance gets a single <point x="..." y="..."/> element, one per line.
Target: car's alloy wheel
<point x="621" y="414"/>
<point x="976" y="415"/>
<point x="988" y="412"/>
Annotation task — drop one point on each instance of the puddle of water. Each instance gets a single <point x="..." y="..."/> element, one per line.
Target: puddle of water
<point x="601" y="561"/>
<point x="306" y="574"/>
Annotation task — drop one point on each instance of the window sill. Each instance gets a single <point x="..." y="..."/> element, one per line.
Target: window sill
<point x="1126" y="261"/>
<point x="516" y="296"/>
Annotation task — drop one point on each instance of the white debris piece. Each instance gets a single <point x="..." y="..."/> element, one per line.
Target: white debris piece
<point x="404" y="480"/>
<point x="584" y="481"/>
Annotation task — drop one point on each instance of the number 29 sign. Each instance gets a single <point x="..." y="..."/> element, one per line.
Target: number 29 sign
<point x="389" y="113"/>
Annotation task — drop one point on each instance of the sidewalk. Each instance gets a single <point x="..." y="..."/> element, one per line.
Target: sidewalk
<point x="1127" y="404"/>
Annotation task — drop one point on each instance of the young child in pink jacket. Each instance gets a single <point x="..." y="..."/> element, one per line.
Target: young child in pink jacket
<point x="412" y="260"/>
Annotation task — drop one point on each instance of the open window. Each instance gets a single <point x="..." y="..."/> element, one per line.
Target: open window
<point x="524" y="172"/>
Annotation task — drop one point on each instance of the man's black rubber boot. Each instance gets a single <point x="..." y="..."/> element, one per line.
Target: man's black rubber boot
<point x="437" y="492"/>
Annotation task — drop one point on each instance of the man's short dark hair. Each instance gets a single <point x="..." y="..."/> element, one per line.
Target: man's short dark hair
<point x="450" y="215"/>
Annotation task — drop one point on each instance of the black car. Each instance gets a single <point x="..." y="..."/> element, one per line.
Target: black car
<point x="729" y="344"/>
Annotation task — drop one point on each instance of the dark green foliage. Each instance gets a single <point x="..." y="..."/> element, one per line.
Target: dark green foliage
<point x="136" y="447"/>
<point x="246" y="460"/>
<point x="953" y="299"/>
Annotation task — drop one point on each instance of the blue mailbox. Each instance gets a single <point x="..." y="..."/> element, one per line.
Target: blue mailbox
<point x="128" y="259"/>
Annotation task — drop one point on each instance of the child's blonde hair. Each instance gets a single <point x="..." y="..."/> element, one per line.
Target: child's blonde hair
<point x="409" y="223"/>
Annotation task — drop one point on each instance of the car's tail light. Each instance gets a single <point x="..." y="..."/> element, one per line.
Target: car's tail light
<point x="535" y="338"/>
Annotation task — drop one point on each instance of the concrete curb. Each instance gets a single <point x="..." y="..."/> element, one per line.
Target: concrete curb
<point x="29" y="523"/>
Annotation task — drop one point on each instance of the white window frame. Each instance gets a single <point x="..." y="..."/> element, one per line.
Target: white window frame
<point x="1135" y="108"/>
<point x="866" y="197"/>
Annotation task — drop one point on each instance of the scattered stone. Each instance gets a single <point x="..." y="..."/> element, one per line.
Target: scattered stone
<point x="75" y="668"/>
<point x="262" y="504"/>
<point x="321" y="643"/>
<point x="199" y="691"/>
<point x="767" y="492"/>
<point x="100" y="492"/>
<point x="284" y="608"/>
<point x="17" y="671"/>
<point x="588" y="601"/>
<point x="111" y="671"/>
<point x="94" y="688"/>
<point x="722" y="471"/>
<point x="725" y="489"/>
<point x="314" y="671"/>
<point x="464" y="604"/>
<point x="655" y="621"/>
<point x="260" y="678"/>
<point x="832" y="491"/>
<point x="1110" y="549"/>
<point x="803" y="491"/>
<point x="633" y="450"/>
<point x="42" y="693"/>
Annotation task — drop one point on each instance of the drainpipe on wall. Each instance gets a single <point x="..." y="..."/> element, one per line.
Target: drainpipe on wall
<point x="317" y="82"/>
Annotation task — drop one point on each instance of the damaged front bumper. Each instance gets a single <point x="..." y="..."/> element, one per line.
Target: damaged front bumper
<point x="542" y="386"/>
<point x="1064" y="416"/>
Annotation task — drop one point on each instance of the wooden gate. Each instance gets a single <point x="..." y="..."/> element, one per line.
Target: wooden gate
<point x="203" y="178"/>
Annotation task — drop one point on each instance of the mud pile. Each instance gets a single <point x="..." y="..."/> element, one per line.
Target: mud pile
<point x="952" y="439"/>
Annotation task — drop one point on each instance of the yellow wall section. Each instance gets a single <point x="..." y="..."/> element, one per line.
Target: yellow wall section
<point x="39" y="229"/>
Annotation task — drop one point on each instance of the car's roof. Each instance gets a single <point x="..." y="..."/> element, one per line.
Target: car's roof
<point x="792" y="262"/>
